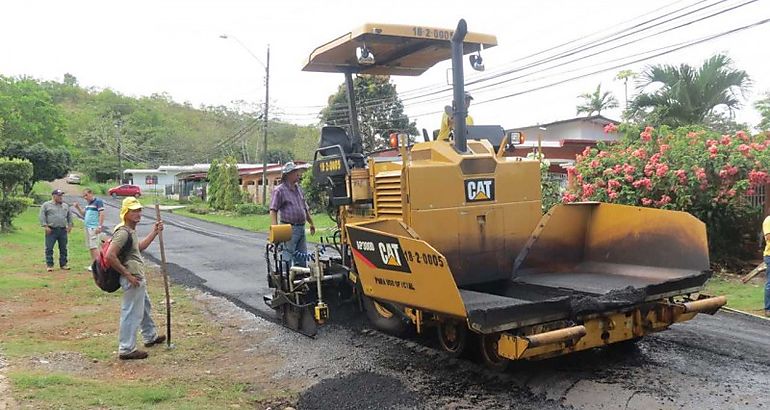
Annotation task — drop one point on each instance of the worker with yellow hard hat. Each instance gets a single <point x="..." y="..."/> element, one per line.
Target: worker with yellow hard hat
<point x="447" y="122"/>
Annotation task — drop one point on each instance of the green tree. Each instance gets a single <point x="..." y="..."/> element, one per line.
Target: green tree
<point x="13" y="173"/>
<point x="687" y="95"/>
<point x="596" y="101"/>
<point x="625" y="75"/>
<point x="279" y="156"/>
<point x="381" y="111"/>
<point x="29" y="114"/>
<point x="763" y="106"/>
<point x="48" y="163"/>
<point x="213" y="190"/>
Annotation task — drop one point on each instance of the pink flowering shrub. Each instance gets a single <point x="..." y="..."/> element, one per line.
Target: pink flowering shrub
<point x="688" y="169"/>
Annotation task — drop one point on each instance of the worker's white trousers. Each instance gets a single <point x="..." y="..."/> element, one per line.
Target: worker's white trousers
<point x="135" y="313"/>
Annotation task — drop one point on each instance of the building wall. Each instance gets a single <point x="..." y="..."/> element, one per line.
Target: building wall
<point x="583" y="130"/>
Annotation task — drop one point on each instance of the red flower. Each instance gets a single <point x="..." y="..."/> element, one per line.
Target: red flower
<point x="614" y="183"/>
<point x="713" y="151"/>
<point x="613" y="195"/>
<point x="646" y="136"/>
<point x="610" y="128"/>
<point x="594" y="164"/>
<point x="742" y="135"/>
<point x="646" y="201"/>
<point x="744" y="149"/>
<point x="664" y="148"/>
<point x="569" y="197"/>
<point x="725" y="140"/>
<point x="661" y="170"/>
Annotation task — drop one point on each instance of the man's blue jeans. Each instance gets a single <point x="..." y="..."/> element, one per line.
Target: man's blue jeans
<point x="295" y="250"/>
<point x="135" y="314"/>
<point x="56" y="235"/>
<point x="767" y="284"/>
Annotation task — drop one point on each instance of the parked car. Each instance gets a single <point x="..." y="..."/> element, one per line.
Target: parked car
<point x="73" y="179"/>
<point x="125" y="190"/>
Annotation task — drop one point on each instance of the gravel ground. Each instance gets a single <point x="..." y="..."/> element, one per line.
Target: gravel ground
<point x="719" y="362"/>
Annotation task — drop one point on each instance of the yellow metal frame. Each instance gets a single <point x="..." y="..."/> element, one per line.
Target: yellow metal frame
<point x="602" y="330"/>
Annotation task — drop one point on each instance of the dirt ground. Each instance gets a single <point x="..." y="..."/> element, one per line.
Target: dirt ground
<point x="238" y="342"/>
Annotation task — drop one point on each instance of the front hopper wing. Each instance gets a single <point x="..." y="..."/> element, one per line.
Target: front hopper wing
<point x="394" y="266"/>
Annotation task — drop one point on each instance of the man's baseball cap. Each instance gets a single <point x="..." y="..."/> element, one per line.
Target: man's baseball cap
<point x="131" y="203"/>
<point x="57" y="192"/>
<point x="288" y="167"/>
<point x="468" y="96"/>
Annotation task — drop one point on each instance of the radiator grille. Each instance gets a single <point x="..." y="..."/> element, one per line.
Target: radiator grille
<point x="387" y="194"/>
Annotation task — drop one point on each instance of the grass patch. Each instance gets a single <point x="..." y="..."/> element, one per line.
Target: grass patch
<point x="748" y="297"/>
<point x="59" y="336"/>
<point x="64" y="391"/>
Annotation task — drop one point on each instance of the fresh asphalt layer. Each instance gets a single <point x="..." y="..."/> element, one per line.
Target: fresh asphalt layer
<point x="711" y="362"/>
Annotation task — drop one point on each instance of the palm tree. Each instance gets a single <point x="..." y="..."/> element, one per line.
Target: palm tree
<point x="688" y="95"/>
<point x="625" y="75"/>
<point x="596" y="102"/>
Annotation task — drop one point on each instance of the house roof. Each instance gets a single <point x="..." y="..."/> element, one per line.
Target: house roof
<point x="599" y="119"/>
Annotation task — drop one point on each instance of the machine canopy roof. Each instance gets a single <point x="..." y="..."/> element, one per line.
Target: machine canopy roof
<point x="397" y="49"/>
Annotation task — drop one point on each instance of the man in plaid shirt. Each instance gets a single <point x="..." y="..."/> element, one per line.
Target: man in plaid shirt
<point x="288" y="201"/>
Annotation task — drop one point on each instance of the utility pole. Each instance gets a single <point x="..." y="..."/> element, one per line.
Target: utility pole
<point x="264" y="118"/>
<point x="120" y="151"/>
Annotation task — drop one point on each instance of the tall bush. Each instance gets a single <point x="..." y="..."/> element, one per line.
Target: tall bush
<point x="690" y="169"/>
<point x="13" y="173"/>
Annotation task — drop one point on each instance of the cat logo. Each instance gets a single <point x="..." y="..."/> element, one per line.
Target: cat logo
<point x="377" y="251"/>
<point x="480" y="190"/>
<point x="389" y="254"/>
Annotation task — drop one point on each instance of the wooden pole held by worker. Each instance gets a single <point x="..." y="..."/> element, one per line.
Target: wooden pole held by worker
<point x="165" y="277"/>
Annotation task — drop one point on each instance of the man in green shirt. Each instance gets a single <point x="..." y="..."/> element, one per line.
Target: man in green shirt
<point x="55" y="217"/>
<point x="135" y="309"/>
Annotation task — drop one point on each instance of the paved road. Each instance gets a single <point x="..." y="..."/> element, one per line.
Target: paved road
<point x="716" y="362"/>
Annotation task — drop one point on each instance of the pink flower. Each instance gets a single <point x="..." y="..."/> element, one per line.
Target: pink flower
<point x="725" y="140"/>
<point x="586" y="151"/>
<point x="629" y="169"/>
<point x="602" y="154"/>
<point x="649" y="169"/>
<point x="713" y="151"/>
<point x="629" y="178"/>
<point x="758" y="177"/>
<point x="640" y="153"/>
<point x="750" y="192"/>
<point x="700" y="173"/>
<point x="730" y="193"/>
<point x="642" y="182"/>
<point x="744" y="149"/>
<point x="613" y="195"/>
<point x="758" y="147"/>
<point x="646" y="201"/>
<point x="649" y="129"/>
<point x="742" y="135"/>
<point x="664" y="148"/>
<point x="614" y="183"/>
<point x="665" y="199"/>
<point x="569" y="197"/>
<point x="682" y="175"/>
<point x="610" y="128"/>
<point x="661" y="170"/>
<point x="588" y="190"/>
<point x="607" y="172"/>
<point x="646" y="136"/>
<point x="594" y="163"/>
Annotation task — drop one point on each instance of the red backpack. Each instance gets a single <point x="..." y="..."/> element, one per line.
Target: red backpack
<point x="106" y="277"/>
